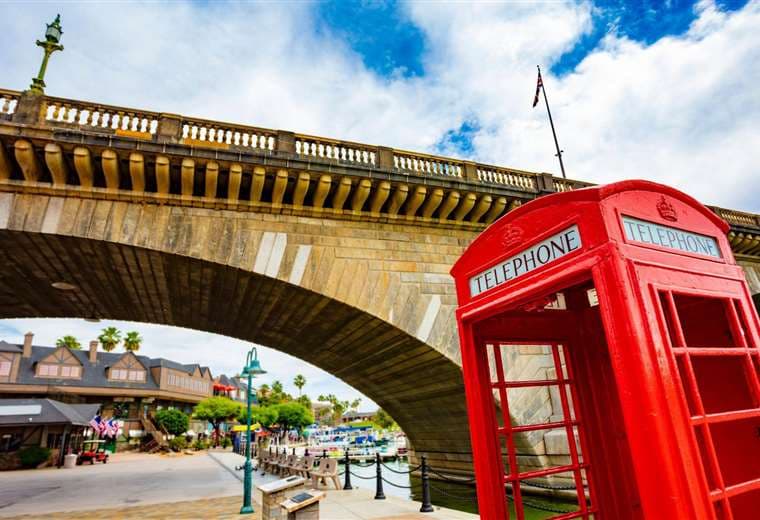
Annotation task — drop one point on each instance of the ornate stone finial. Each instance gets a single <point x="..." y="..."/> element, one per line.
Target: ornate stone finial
<point x="666" y="209"/>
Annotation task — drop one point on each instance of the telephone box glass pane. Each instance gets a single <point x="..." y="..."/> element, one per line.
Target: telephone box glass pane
<point x="704" y="321"/>
<point x="722" y="382"/>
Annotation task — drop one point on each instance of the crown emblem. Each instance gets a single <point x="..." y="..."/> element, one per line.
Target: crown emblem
<point x="666" y="209"/>
<point x="512" y="236"/>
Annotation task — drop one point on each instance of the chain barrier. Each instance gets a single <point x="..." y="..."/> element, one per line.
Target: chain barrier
<point x="407" y="472"/>
<point x="541" y="507"/>
<point x="365" y="465"/>
<point x="363" y="478"/>
<point x="395" y="485"/>
<point x="449" y="479"/>
<point x="547" y="486"/>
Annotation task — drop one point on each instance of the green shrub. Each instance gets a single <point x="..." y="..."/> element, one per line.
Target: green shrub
<point x="178" y="443"/>
<point x="33" y="456"/>
<point x="173" y="421"/>
<point x="200" y="444"/>
<point x="226" y="442"/>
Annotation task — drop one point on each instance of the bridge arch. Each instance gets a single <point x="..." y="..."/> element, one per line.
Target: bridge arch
<point x="250" y="279"/>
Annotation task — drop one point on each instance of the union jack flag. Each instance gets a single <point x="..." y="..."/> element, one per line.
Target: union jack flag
<point x="539" y="85"/>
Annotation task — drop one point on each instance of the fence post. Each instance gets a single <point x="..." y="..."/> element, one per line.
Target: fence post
<point x="347" y="481"/>
<point x="294" y="451"/>
<point x="306" y="452"/>
<point x="324" y="454"/>
<point x="427" y="507"/>
<point x="379" y="495"/>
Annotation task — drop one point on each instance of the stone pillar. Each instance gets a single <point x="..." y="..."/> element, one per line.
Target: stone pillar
<point x="385" y="158"/>
<point x="286" y="142"/>
<point x="27" y="352"/>
<point x="545" y="183"/>
<point x="30" y="109"/>
<point x="470" y="171"/>
<point x="169" y="128"/>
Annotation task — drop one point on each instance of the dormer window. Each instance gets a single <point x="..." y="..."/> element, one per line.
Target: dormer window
<point x="70" y="371"/>
<point x="5" y="368"/>
<point x="47" y="370"/>
<point x="137" y="375"/>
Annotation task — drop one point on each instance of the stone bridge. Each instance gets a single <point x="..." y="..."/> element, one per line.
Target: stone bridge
<point x="334" y="252"/>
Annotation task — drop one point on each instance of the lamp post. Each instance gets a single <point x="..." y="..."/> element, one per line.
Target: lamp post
<point x="252" y="368"/>
<point x="50" y="44"/>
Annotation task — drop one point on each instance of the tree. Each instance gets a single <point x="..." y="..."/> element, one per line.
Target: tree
<point x="293" y="416"/>
<point x="69" y="342"/>
<point x="384" y="420"/>
<point x="173" y="421"/>
<point x="109" y="338"/>
<point x="339" y="407"/>
<point x="266" y="416"/>
<point x="299" y="382"/>
<point x="217" y="410"/>
<point x="132" y="341"/>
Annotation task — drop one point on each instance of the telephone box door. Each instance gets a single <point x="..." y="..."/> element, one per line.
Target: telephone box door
<point x="715" y="359"/>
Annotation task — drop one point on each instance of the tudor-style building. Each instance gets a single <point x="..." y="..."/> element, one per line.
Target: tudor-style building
<point x="128" y="385"/>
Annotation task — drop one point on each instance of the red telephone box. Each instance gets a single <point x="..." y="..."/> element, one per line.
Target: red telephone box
<point x="632" y="290"/>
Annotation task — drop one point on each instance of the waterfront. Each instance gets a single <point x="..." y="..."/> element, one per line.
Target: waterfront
<point x="444" y="494"/>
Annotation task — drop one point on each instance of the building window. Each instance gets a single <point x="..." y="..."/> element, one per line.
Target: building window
<point x="5" y="368"/>
<point x="48" y="370"/>
<point x="119" y="374"/>
<point x="137" y="375"/>
<point x="69" y="371"/>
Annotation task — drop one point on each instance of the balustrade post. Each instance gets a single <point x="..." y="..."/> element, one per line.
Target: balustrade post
<point x="169" y="129"/>
<point x="470" y="171"/>
<point x="379" y="495"/>
<point x="347" y="480"/>
<point x="285" y="142"/>
<point x="384" y="158"/>
<point x="545" y="183"/>
<point x="426" y="507"/>
<point x="30" y="109"/>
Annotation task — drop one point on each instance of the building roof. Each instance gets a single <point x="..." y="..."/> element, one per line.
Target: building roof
<point x="8" y="347"/>
<point x="93" y="374"/>
<point x="29" y="412"/>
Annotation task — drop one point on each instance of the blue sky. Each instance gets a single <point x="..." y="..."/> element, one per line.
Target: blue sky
<point x="666" y="91"/>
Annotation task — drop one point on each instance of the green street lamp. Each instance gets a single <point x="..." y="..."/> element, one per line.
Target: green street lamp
<point x="50" y="45"/>
<point x="252" y="368"/>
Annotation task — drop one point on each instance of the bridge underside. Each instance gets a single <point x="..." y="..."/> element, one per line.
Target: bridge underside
<point x="418" y="386"/>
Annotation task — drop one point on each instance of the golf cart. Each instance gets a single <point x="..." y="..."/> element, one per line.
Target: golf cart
<point x="93" y="451"/>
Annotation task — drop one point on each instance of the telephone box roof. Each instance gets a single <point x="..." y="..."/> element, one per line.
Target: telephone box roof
<point x="590" y="194"/>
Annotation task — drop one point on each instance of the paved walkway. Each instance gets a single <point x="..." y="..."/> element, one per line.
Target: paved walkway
<point x="141" y="486"/>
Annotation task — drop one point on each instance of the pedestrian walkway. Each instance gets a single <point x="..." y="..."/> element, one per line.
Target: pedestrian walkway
<point x="356" y="504"/>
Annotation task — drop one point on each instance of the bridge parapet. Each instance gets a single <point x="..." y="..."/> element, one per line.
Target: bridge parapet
<point x="164" y="157"/>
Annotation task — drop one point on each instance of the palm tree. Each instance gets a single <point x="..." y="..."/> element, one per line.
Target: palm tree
<point x="69" y="342"/>
<point x="132" y="341"/>
<point x="300" y="382"/>
<point x="109" y="338"/>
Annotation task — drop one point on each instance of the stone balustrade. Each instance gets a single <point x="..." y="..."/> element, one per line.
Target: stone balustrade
<point x="101" y="118"/>
<point x="8" y="102"/>
<point x="319" y="148"/>
<point x="200" y="132"/>
<point x="232" y="165"/>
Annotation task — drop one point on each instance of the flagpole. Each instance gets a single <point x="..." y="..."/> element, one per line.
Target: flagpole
<point x="551" y="122"/>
